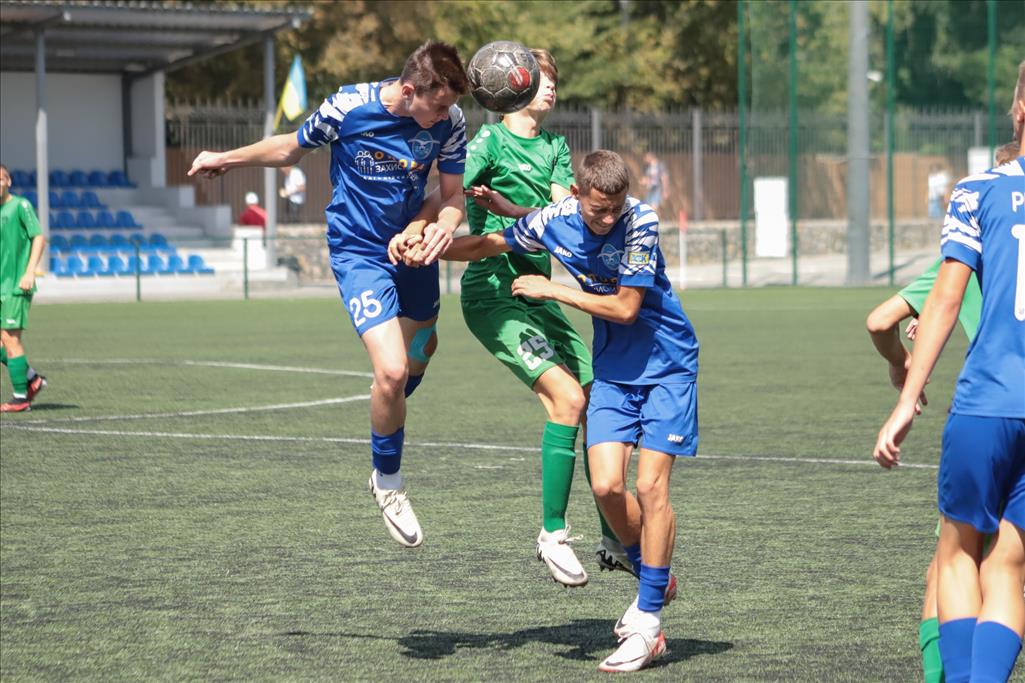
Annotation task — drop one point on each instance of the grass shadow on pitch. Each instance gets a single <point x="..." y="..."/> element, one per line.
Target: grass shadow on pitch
<point x="585" y="639"/>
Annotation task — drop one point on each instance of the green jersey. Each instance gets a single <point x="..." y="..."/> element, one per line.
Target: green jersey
<point x="522" y="170"/>
<point x="971" y="305"/>
<point x="18" y="226"/>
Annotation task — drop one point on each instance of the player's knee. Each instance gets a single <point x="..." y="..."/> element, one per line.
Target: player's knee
<point x="607" y="488"/>
<point x="878" y="321"/>
<point x="569" y="406"/>
<point x="390" y="378"/>
<point x="652" y="492"/>
<point x="423" y="345"/>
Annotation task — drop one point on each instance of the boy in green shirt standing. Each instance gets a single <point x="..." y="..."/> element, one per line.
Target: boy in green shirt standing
<point x="21" y="247"/>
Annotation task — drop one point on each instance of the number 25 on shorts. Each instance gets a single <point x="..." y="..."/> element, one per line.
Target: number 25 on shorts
<point x="364" y="307"/>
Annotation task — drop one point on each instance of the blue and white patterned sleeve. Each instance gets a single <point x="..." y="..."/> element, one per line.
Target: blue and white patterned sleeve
<point x="524" y="236"/>
<point x="640" y="250"/>
<point x="324" y="125"/>
<point x="452" y="157"/>
<point x="961" y="238"/>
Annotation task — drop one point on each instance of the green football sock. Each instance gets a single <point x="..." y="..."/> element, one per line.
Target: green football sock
<point x="18" y="369"/>
<point x="558" y="456"/>
<point x="929" y="642"/>
<point x="606" y="530"/>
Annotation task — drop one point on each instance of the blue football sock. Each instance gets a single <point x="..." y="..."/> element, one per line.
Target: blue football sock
<point x="652" y="593"/>
<point x="994" y="649"/>
<point x="633" y="552"/>
<point x="387" y="451"/>
<point x="956" y="649"/>
<point x="412" y="382"/>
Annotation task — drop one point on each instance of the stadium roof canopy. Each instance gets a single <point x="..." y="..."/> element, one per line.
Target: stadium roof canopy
<point x="132" y="38"/>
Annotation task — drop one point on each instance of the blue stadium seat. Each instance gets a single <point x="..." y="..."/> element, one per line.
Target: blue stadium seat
<point x="86" y="220"/>
<point x="79" y="243"/>
<point x="117" y="266"/>
<point x="55" y="201"/>
<point x="158" y="241"/>
<point x="140" y="243"/>
<point x="31" y="178"/>
<point x="59" y="179"/>
<point x="74" y="265"/>
<point x="118" y="179"/>
<point x="69" y="200"/>
<point x="126" y="220"/>
<point x="20" y="178"/>
<point x="90" y="200"/>
<point x="96" y="265"/>
<point x="97" y="243"/>
<point x="59" y="244"/>
<point x="58" y="267"/>
<point x="198" y="265"/>
<point x="176" y="264"/>
<point x="105" y="220"/>
<point x="78" y="178"/>
<point x="120" y="243"/>
<point x="97" y="178"/>
<point x="157" y="265"/>
<point x="33" y="198"/>
<point x="135" y="262"/>
<point x="53" y="222"/>
<point x="65" y="219"/>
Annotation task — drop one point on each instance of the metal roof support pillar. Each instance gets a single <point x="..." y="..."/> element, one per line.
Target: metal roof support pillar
<point x="42" y="156"/>
<point x="270" y="192"/>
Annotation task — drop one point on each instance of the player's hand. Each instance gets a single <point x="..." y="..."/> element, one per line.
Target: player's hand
<point x="895" y="429"/>
<point x="208" y="164"/>
<point x="899" y="375"/>
<point x="400" y="247"/>
<point x="532" y="286"/>
<point x="912" y="330"/>
<point x="494" y="202"/>
<point x="27" y="281"/>
<point x="437" y="238"/>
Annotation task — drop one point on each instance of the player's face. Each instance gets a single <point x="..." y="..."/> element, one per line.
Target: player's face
<point x="544" y="100"/>
<point x="600" y="211"/>
<point x="430" y="107"/>
<point x="5" y="183"/>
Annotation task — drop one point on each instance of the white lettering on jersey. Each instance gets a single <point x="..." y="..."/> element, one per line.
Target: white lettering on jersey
<point x="1017" y="200"/>
<point x="562" y="251"/>
<point x="1018" y="233"/>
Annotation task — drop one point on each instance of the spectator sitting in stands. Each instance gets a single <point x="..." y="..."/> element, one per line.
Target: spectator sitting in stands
<point x="254" y="213"/>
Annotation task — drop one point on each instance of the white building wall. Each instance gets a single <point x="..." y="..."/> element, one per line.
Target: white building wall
<point x="84" y="113"/>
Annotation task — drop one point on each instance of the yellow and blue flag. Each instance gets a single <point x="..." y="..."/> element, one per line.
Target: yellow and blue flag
<point x="293" y="97"/>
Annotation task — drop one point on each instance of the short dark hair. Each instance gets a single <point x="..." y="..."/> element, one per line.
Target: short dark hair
<point x="5" y="169"/>
<point x="605" y="171"/>
<point x="434" y="65"/>
<point x="546" y="63"/>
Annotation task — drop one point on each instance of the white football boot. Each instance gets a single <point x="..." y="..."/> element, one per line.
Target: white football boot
<point x="636" y="650"/>
<point x="554" y="550"/>
<point x="399" y="518"/>
<point x="611" y="557"/>
<point x="622" y="627"/>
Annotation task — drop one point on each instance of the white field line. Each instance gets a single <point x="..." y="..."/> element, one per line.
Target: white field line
<point x="433" y="444"/>
<point x="206" y="364"/>
<point x="194" y="413"/>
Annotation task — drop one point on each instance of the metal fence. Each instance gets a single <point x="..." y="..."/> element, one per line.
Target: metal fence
<point x="699" y="150"/>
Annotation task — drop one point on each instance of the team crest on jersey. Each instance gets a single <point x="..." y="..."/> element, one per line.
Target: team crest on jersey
<point x="610" y="256"/>
<point x="422" y="144"/>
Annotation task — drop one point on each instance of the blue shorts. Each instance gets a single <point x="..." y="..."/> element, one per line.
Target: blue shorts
<point x="982" y="471"/>
<point x="375" y="291"/>
<point x="659" y="417"/>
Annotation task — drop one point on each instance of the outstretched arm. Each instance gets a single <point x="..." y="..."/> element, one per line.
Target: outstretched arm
<point x="277" y="150"/>
<point x="476" y="247"/>
<point x="621" y="307"/>
<point x="883" y="325"/>
<point x="438" y="235"/>
<point x="939" y="315"/>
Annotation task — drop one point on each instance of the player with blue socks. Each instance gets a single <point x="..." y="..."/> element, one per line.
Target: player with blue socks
<point x="981" y="487"/>
<point x="645" y="369"/>
<point x="384" y="138"/>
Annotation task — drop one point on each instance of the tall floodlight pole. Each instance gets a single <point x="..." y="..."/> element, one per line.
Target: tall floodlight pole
<point x="270" y="190"/>
<point x="792" y="170"/>
<point x="857" y="145"/>
<point x="991" y="73"/>
<point x="890" y="99"/>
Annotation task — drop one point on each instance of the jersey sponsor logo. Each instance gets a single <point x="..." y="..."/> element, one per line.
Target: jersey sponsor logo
<point x="422" y="144"/>
<point x="598" y="284"/>
<point x="367" y="133"/>
<point x="635" y="258"/>
<point x="610" y="256"/>
<point x="377" y="164"/>
<point x="562" y="251"/>
<point x="526" y="168"/>
<point x="675" y="438"/>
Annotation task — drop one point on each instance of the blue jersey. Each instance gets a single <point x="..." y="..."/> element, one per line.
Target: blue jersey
<point x="660" y="346"/>
<point x="985" y="230"/>
<point x="379" y="165"/>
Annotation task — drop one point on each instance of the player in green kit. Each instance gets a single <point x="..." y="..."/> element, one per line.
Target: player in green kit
<point x="512" y="168"/>
<point x="21" y="247"/>
<point x="883" y="327"/>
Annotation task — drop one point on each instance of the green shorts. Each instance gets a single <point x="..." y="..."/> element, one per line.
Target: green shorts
<point x="528" y="338"/>
<point x="14" y="312"/>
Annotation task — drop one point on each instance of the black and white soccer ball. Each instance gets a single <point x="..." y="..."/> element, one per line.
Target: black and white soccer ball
<point x="504" y="76"/>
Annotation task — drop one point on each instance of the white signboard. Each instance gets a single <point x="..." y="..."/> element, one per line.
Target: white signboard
<point x="979" y="160"/>
<point x="771" y="217"/>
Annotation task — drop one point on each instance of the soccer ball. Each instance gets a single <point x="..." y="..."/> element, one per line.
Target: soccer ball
<point x="504" y="76"/>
